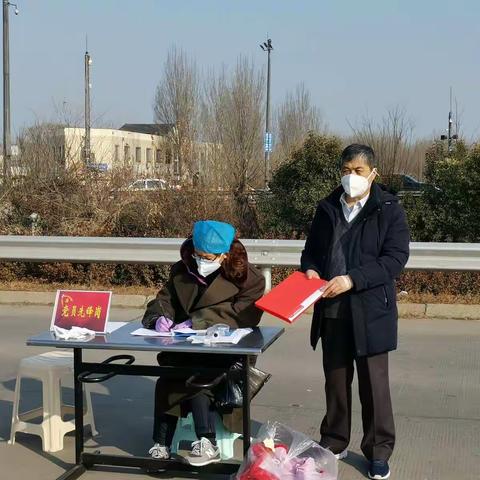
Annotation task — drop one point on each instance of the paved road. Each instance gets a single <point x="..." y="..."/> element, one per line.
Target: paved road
<point x="435" y="379"/>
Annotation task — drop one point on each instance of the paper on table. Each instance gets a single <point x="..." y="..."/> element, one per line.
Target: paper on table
<point x="112" y="326"/>
<point x="189" y="331"/>
<point x="147" y="332"/>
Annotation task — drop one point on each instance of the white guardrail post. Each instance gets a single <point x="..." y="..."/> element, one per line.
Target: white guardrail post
<point x="263" y="253"/>
<point x="267" y="273"/>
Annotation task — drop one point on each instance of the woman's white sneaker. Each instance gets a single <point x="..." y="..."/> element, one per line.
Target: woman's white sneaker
<point x="203" y="453"/>
<point x="159" y="452"/>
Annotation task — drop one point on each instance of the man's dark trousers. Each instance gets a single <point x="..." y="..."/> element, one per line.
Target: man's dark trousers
<point x="377" y="415"/>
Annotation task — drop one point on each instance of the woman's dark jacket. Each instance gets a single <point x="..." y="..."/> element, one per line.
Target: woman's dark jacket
<point x="221" y="302"/>
<point x="378" y="250"/>
<point x="185" y="297"/>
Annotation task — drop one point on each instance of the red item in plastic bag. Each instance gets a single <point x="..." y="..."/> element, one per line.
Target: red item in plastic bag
<point x="294" y="457"/>
<point x="256" y="472"/>
<point x="260" y="452"/>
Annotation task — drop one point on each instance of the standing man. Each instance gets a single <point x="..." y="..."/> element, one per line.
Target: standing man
<point x="359" y="241"/>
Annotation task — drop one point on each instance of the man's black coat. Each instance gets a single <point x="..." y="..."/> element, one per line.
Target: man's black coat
<point x="378" y="252"/>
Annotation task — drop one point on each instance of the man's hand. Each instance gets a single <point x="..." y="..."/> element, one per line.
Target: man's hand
<point x="312" y="274"/>
<point x="338" y="285"/>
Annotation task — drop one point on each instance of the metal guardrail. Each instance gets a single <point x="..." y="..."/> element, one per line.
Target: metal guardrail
<point x="264" y="253"/>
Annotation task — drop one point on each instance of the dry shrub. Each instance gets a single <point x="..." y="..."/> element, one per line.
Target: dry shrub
<point x="440" y="283"/>
<point x="78" y="203"/>
<point x="87" y="204"/>
<point x="91" y="205"/>
<point x="105" y="275"/>
<point x="10" y="272"/>
<point x="171" y="213"/>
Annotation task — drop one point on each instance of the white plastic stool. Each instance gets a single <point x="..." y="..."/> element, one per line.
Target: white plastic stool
<point x="49" y="368"/>
<point x="186" y="432"/>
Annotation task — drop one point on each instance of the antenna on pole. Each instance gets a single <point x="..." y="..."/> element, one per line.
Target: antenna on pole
<point x="450" y="136"/>
<point x="450" y="122"/>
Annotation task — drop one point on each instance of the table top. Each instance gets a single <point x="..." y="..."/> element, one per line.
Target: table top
<point x="253" y="344"/>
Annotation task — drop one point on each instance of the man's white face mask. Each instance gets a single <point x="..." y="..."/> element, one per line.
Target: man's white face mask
<point x="356" y="185"/>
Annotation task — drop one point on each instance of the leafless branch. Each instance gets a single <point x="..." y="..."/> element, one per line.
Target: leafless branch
<point x="176" y="102"/>
<point x="294" y="119"/>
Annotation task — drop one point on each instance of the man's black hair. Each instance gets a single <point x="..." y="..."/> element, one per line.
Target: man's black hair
<point x="355" y="150"/>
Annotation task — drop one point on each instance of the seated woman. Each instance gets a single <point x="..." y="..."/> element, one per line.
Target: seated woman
<point x="213" y="283"/>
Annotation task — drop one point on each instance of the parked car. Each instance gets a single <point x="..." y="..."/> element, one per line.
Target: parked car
<point x="402" y="183"/>
<point x="148" y="184"/>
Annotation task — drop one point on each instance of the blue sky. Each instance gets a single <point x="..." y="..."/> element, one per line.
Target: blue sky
<point x="354" y="56"/>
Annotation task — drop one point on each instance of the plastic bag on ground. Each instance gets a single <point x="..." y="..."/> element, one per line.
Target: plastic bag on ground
<point x="280" y="453"/>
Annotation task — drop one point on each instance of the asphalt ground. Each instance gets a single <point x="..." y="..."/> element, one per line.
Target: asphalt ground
<point x="435" y="381"/>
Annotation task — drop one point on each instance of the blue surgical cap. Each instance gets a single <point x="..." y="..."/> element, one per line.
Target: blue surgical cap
<point x="210" y="236"/>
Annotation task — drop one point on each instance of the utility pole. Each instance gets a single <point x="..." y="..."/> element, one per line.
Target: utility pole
<point x="7" y="140"/>
<point x="267" y="47"/>
<point x="87" y="151"/>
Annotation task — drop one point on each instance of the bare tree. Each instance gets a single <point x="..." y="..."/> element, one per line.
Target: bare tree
<point x="233" y="120"/>
<point x="294" y="119"/>
<point x="177" y="103"/>
<point x="43" y="150"/>
<point x="391" y="139"/>
<point x="418" y="151"/>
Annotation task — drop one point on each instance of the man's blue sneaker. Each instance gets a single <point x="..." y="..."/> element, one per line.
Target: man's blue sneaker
<point x="378" y="470"/>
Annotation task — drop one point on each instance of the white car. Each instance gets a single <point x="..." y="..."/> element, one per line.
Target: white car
<point x="148" y="185"/>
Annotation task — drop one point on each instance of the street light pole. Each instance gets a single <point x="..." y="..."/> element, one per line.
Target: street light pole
<point x="7" y="141"/>
<point x="267" y="47"/>
<point x="87" y="147"/>
<point x="7" y="147"/>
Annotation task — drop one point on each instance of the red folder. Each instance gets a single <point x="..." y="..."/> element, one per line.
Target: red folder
<point x="289" y="299"/>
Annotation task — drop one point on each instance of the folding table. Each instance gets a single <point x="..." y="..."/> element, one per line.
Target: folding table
<point x="252" y="345"/>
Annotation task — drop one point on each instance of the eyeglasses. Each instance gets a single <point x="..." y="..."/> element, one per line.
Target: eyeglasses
<point x="209" y="258"/>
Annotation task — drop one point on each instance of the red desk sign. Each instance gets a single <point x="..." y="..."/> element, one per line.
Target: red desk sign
<point x="81" y="308"/>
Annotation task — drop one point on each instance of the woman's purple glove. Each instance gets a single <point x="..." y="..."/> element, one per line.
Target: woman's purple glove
<point x="185" y="324"/>
<point x="164" y="324"/>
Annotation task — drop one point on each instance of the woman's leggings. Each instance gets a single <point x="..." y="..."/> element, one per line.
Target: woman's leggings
<point x="165" y="424"/>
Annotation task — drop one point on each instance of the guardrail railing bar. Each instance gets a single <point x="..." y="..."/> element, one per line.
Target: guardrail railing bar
<point x="266" y="253"/>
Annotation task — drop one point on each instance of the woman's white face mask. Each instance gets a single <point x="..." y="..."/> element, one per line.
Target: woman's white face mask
<point x="357" y="185"/>
<point x="207" y="267"/>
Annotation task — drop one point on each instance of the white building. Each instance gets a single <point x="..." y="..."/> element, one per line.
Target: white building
<point x="147" y="154"/>
<point x="145" y="150"/>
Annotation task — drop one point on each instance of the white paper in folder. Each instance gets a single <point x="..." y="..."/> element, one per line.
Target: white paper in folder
<point x="307" y="303"/>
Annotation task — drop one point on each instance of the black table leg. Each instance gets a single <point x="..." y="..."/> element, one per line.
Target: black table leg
<point x="85" y="461"/>
<point x="246" y="404"/>
<point x="74" y="473"/>
<point x="78" y="391"/>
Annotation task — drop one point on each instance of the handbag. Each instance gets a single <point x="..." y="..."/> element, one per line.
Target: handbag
<point x="230" y="394"/>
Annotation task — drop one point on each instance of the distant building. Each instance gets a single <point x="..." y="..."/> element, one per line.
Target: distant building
<point x="144" y="149"/>
<point x="145" y="153"/>
<point x="161" y="129"/>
